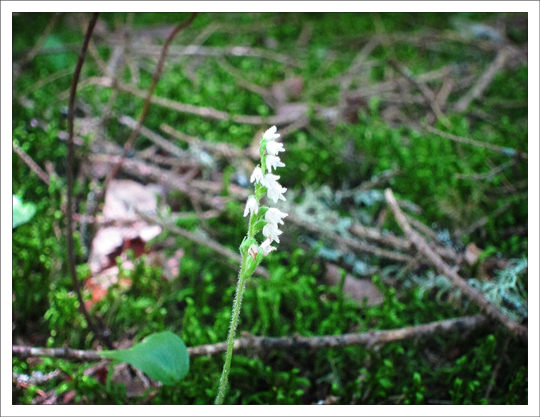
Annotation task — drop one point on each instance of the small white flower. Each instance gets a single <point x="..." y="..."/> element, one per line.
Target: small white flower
<point x="251" y="206"/>
<point x="269" y="179"/>
<point x="252" y="251"/>
<point x="275" y="216"/>
<point x="273" y="162"/>
<point x="276" y="193"/>
<point x="265" y="246"/>
<point x="257" y="175"/>
<point x="274" y="189"/>
<point x="274" y="147"/>
<point x="271" y="232"/>
<point x="270" y="134"/>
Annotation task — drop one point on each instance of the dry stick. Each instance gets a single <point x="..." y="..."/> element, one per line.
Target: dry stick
<point x="501" y="149"/>
<point x="32" y="164"/>
<point x="36" y="377"/>
<point x="485" y="79"/>
<point x="424" y="89"/>
<point x="486" y="175"/>
<point x="146" y="107"/>
<point x="390" y="85"/>
<point x="497" y="369"/>
<point x="443" y="268"/>
<point x="240" y="78"/>
<point x="344" y="241"/>
<point x="37" y="47"/>
<point x="44" y="81"/>
<point x="92" y="48"/>
<point x="389" y="239"/>
<point x="217" y="52"/>
<point x="482" y="221"/>
<point x="103" y="334"/>
<point x="154" y="137"/>
<point x="210" y="112"/>
<point x="206" y="112"/>
<point x="260" y="343"/>
<point x="223" y="149"/>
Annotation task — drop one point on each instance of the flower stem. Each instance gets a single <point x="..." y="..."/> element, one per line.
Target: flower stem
<point x="232" y="331"/>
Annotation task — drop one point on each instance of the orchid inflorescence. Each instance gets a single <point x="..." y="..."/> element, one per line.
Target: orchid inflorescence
<point x="261" y="218"/>
<point x="265" y="182"/>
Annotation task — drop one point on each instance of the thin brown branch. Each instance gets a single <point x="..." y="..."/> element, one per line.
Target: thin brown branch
<point x="206" y="112"/>
<point x="351" y="243"/>
<point x="154" y="137"/>
<point x="148" y="95"/>
<point x="424" y="89"/>
<point x="497" y="368"/>
<point x="501" y="149"/>
<point x="260" y="343"/>
<point x="389" y="239"/>
<point x="240" y="78"/>
<point x="421" y="245"/>
<point x="222" y="148"/>
<point x="37" y="47"/>
<point x="31" y="164"/>
<point x="485" y="79"/>
<point x="391" y="85"/>
<point x="482" y="221"/>
<point x="218" y="52"/>
<point x="101" y="333"/>
<point x="486" y="175"/>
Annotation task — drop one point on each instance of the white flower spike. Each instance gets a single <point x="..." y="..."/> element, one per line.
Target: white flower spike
<point x="251" y="206"/>
<point x="264" y="181"/>
<point x="271" y="134"/>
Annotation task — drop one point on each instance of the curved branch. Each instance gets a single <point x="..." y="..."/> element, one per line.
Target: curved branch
<point x="99" y="332"/>
<point x="471" y="292"/>
<point x="147" y="101"/>
<point x="368" y="339"/>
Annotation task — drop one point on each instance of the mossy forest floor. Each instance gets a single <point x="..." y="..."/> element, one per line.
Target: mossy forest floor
<point x="425" y="109"/>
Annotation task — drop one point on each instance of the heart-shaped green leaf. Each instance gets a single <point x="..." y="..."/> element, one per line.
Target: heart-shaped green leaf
<point x="162" y="356"/>
<point x="22" y="212"/>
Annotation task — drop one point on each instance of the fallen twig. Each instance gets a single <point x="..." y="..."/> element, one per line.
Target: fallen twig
<point x="486" y="175"/>
<point x="369" y="339"/>
<point x="218" y="52"/>
<point x="351" y="243"/>
<point x="31" y="164"/>
<point x="485" y="79"/>
<point x="501" y="149"/>
<point x="36" y="48"/>
<point x="422" y="246"/>
<point x="100" y="332"/>
<point x="154" y="137"/>
<point x="424" y="89"/>
<point x="497" y="368"/>
<point x="147" y="100"/>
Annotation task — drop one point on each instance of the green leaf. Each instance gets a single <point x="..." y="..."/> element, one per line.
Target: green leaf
<point x="22" y="212"/>
<point x="162" y="356"/>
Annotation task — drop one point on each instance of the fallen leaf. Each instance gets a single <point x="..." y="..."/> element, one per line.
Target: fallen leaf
<point x="357" y="289"/>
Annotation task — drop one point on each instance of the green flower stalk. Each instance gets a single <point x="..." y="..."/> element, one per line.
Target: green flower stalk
<point x="261" y="219"/>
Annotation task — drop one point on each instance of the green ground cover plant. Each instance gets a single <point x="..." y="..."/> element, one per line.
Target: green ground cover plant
<point x="365" y="103"/>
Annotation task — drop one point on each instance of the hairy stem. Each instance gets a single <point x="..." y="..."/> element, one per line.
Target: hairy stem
<point x="232" y="331"/>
